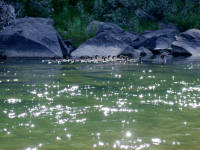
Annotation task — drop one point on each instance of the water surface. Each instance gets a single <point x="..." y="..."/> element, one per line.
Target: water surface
<point x="59" y="106"/>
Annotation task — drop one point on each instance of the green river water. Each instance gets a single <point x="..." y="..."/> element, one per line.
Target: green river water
<point x="60" y="106"/>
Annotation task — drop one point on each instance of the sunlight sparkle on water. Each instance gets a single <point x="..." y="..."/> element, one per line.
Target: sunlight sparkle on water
<point x="128" y="134"/>
<point x="102" y="106"/>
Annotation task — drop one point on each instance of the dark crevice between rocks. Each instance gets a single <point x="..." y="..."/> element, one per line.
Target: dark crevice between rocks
<point x="178" y="51"/>
<point x="2" y="56"/>
<point x="175" y="54"/>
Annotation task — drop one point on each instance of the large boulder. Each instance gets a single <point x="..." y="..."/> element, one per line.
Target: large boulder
<point x="156" y="44"/>
<point x="187" y="43"/>
<point x="110" y="40"/>
<point x="158" y="40"/>
<point x="104" y="44"/>
<point x="32" y="37"/>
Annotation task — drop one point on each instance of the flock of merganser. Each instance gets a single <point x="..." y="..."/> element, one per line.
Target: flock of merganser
<point x="109" y="59"/>
<point x="104" y="59"/>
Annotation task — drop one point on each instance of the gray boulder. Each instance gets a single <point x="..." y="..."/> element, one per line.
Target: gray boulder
<point x="131" y="52"/>
<point x="158" y="40"/>
<point x="144" y="52"/>
<point x="104" y="44"/>
<point x="167" y="26"/>
<point x="187" y="43"/>
<point x="32" y="37"/>
<point x="110" y="40"/>
<point x="136" y="53"/>
<point x="161" y="32"/>
<point x="163" y="42"/>
<point x="157" y="44"/>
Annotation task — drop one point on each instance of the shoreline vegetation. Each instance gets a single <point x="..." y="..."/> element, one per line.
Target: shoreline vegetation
<point x="72" y="17"/>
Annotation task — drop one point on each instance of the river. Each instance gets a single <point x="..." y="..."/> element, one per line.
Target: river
<point x="50" y="105"/>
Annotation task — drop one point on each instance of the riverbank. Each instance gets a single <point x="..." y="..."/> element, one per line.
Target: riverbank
<point x="37" y="37"/>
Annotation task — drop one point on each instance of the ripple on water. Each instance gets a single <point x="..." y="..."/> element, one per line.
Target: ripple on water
<point x="105" y="106"/>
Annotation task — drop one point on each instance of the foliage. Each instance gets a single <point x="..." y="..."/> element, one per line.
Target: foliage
<point x="7" y="14"/>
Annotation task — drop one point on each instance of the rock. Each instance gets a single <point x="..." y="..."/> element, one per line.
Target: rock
<point x="96" y="27"/>
<point x="192" y="34"/>
<point x="162" y="32"/>
<point x="128" y="38"/>
<point x="110" y="40"/>
<point x="68" y="42"/>
<point x="147" y="43"/>
<point x="187" y="43"/>
<point x="144" y="52"/>
<point x="104" y="44"/>
<point x="136" y="53"/>
<point x="164" y="42"/>
<point x="167" y="26"/>
<point x="138" y="41"/>
<point x="163" y="58"/>
<point x="2" y="56"/>
<point x="69" y="45"/>
<point x="157" y="44"/>
<point x="32" y="37"/>
<point x="7" y="14"/>
<point x="131" y="52"/>
<point x="66" y="50"/>
<point x="158" y="40"/>
<point x="142" y="14"/>
<point x="178" y="50"/>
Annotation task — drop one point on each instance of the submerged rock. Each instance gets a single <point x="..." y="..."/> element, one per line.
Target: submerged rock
<point x="187" y="44"/>
<point x="32" y="37"/>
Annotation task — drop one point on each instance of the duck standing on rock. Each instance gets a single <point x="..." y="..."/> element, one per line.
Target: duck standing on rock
<point x="135" y="60"/>
<point x="164" y="57"/>
<point x="140" y="59"/>
<point x="104" y="59"/>
<point x="114" y="58"/>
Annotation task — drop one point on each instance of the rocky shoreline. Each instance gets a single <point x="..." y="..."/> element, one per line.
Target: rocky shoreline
<point x="37" y="37"/>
